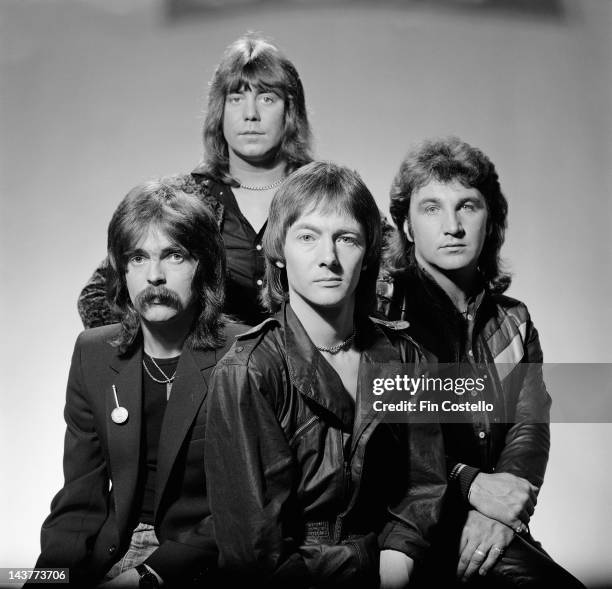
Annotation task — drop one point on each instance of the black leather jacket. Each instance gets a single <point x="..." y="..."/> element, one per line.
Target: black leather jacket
<point x="301" y="479"/>
<point x="500" y="342"/>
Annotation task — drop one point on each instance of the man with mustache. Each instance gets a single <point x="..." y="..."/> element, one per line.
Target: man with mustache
<point x="445" y="278"/>
<point x="133" y="510"/>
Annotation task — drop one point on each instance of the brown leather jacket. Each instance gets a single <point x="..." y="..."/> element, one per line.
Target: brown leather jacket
<point x="305" y="485"/>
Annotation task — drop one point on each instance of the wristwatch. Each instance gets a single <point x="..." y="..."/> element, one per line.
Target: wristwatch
<point x="147" y="579"/>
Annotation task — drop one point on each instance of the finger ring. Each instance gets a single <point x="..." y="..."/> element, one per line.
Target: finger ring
<point x="480" y="552"/>
<point x="497" y="549"/>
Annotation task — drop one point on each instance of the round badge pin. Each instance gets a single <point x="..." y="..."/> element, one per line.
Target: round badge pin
<point x="119" y="415"/>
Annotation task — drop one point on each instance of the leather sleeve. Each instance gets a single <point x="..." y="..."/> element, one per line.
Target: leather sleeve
<point x="251" y="474"/>
<point x="527" y="443"/>
<point x="79" y="510"/>
<point x="93" y="306"/>
<point x="412" y="519"/>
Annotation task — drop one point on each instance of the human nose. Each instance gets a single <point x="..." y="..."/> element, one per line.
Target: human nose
<point x="250" y="112"/>
<point x="452" y="224"/>
<point x="155" y="272"/>
<point x="329" y="255"/>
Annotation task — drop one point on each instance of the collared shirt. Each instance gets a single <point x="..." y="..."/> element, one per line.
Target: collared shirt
<point x="245" y="259"/>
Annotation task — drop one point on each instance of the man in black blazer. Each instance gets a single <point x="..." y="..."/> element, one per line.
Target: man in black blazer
<point x="133" y="510"/>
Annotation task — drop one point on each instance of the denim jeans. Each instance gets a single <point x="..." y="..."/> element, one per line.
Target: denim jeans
<point x="143" y="543"/>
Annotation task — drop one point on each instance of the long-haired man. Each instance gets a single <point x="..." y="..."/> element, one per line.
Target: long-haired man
<point x="133" y="509"/>
<point x="256" y="132"/>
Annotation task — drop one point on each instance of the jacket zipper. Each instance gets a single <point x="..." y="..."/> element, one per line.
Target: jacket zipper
<point x="303" y="427"/>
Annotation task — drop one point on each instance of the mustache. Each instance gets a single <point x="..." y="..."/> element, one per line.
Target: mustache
<point x="160" y="294"/>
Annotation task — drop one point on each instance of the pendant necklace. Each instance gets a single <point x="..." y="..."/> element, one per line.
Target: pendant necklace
<point x="167" y="380"/>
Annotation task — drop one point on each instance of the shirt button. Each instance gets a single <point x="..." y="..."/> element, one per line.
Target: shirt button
<point x="258" y="247"/>
<point x="259" y="282"/>
<point x="482" y="435"/>
<point x="111" y="549"/>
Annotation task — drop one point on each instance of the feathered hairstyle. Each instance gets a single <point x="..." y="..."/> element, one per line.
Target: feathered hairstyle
<point x="330" y="187"/>
<point x="448" y="160"/>
<point x="186" y="221"/>
<point x="254" y="63"/>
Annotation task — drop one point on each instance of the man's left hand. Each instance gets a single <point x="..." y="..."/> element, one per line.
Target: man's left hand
<point x="483" y="541"/>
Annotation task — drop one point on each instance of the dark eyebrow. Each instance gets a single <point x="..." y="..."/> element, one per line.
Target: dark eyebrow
<point x="473" y="199"/>
<point x="430" y="199"/>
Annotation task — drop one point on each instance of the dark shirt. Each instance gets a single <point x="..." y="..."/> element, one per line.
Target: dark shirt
<point x="245" y="259"/>
<point x="154" y="400"/>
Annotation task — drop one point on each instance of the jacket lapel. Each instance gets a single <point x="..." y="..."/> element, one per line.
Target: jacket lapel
<point x="124" y="438"/>
<point x="376" y="361"/>
<point x="311" y="374"/>
<point x="188" y="393"/>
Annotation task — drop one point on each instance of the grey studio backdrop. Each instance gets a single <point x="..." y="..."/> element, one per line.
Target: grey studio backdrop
<point x="98" y="95"/>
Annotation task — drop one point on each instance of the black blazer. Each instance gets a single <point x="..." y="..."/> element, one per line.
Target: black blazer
<point x="92" y="517"/>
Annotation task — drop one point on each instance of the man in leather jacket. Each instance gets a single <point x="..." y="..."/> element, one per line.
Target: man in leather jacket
<point x="443" y="276"/>
<point x="308" y="486"/>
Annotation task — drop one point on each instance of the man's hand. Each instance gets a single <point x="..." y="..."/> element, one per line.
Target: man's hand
<point x="504" y="497"/>
<point x="395" y="569"/>
<point x="483" y="541"/>
<point x="129" y="578"/>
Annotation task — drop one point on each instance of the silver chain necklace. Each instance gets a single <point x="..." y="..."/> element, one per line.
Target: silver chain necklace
<point x="266" y="187"/>
<point x="343" y="344"/>
<point x="168" y="380"/>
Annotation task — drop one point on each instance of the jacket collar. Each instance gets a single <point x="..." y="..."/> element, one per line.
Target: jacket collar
<point x="314" y="378"/>
<point x="310" y="373"/>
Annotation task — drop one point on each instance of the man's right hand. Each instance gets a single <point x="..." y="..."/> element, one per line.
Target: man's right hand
<point x="504" y="497"/>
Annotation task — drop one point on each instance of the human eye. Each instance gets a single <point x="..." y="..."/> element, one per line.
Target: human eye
<point x="306" y="237"/>
<point x="176" y="257"/>
<point x="431" y="209"/>
<point x="469" y="206"/>
<point x="268" y="98"/>
<point x="234" y="98"/>
<point x="136" y="260"/>
<point x="348" y="239"/>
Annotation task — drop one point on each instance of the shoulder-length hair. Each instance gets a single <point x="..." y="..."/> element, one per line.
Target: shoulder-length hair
<point x="331" y="187"/>
<point x="187" y="222"/>
<point x="254" y="63"/>
<point x="448" y="160"/>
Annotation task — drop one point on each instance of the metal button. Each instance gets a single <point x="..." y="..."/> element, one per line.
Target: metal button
<point x="470" y="353"/>
<point x="258" y="247"/>
<point x="112" y="549"/>
<point x="482" y="435"/>
<point x="470" y="316"/>
<point x="259" y="282"/>
<point x="239" y="348"/>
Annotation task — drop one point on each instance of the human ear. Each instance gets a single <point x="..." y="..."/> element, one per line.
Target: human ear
<point x="408" y="230"/>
